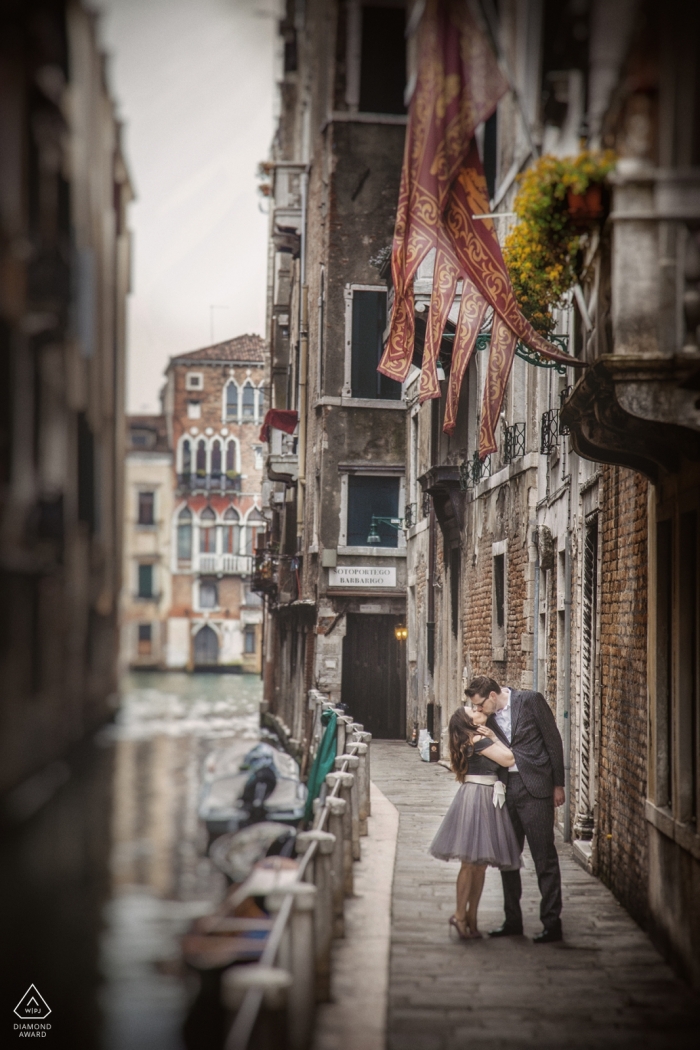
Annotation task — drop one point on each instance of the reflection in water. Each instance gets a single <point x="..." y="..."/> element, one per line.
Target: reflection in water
<point x="168" y="725"/>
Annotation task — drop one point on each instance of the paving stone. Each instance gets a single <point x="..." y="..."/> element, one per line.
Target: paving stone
<point x="603" y="988"/>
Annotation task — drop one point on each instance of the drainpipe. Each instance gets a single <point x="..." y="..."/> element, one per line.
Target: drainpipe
<point x="567" y="685"/>
<point x="536" y="624"/>
<point x="431" y="590"/>
<point x="303" y="365"/>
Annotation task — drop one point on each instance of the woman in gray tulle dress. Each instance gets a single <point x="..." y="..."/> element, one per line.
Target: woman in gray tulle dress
<point x="476" y="828"/>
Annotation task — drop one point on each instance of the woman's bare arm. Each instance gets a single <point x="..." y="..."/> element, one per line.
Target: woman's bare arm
<point x="496" y="751"/>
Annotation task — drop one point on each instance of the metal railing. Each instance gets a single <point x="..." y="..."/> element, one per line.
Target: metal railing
<point x="514" y="442"/>
<point x="549" y="431"/>
<point x="317" y="909"/>
<point x="209" y="482"/>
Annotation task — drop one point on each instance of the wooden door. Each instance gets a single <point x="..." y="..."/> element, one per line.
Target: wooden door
<point x="374" y="674"/>
<point x="206" y="647"/>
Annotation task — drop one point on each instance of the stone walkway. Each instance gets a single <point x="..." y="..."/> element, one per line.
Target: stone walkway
<point x="603" y="987"/>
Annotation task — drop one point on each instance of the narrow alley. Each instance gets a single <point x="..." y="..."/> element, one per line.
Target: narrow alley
<point x="604" y="986"/>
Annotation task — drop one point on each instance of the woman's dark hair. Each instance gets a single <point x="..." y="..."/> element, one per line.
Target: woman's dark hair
<point x="462" y="731"/>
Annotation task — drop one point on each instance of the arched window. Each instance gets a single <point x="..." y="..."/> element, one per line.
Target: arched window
<point x="261" y="402"/>
<point x="186" y="457"/>
<point x="249" y="401"/>
<point x="208" y="594"/>
<point x="216" y="458"/>
<point x="184" y="535"/>
<point x="201" y="458"/>
<point x="255" y="526"/>
<point x="232" y="531"/>
<point x="207" y="532"/>
<point x="231" y="459"/>
<point x="232" y="400"/>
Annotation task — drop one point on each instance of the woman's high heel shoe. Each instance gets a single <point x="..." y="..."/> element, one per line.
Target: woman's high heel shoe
<point x="454" y="921"/>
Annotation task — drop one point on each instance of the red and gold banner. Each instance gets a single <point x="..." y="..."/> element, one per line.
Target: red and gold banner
<point x="442" y="188"/>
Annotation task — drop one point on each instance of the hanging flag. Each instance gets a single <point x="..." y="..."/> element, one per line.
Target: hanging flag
<point x="285" y="419"/>
<point x="442" y="188"/>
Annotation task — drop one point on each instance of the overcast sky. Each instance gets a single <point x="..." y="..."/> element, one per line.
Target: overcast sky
<point x="194" y="82"/>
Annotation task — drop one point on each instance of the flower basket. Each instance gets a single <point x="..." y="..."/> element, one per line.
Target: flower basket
<point x="559" y="200"/>
<point x="585" y="208"/>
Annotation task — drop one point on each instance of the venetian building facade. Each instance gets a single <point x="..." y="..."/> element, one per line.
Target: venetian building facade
<point x="148" y="502"/>
<point x="334" y="572"/>
<point x="567" y="561"/>
<point x="213" y="404"/>
<point x="64" y="281"/>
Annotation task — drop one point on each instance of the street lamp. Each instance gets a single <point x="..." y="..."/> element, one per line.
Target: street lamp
<point x="401" y="632"/>
<point x="374" y="537"/>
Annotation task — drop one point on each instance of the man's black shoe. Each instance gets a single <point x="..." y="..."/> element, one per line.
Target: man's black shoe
<point x="549" y="935"/>
<point x="507" y="930"/>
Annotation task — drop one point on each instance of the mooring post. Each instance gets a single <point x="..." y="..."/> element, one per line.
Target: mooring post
<point x="360" y="737"/>
<point x="353" y="764"/>
<point x="272" y="984"/>
<point x="361" y="750"/>
<point x="345" y="784"/>
<point x="302" y="993"/>
<point x="336" y="821"/>
<point x="323" y="928"/>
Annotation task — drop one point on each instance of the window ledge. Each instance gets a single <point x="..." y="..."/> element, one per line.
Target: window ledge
<point x="683" y="834"/>
<point x="375" y="552"/>
<point x="415" y="530"/>
<point x="371" y="402"/>
<point x="361" y="402"/>
<point x="346" y="117"/>
<point x="510" y="470"/>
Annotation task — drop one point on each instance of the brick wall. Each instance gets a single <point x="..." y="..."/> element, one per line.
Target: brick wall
<point x="622" y="860"/>
<point x="504" y="516"/>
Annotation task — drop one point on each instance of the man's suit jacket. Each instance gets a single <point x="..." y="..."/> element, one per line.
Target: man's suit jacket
<point x="535" y="742"/>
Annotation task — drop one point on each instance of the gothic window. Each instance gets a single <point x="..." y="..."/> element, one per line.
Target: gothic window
<point x="184" y="535"/>
<point x="186" y="457"/>
<point x="216" y="458"/>
<point x="207" y="531"/>
<point x="249" y="400"/>
<point x="232" y="400"/>
<point x="201" y="458"/>
<point x="232" y="531"/>
<point x="260" y="394"/>
<point x="230" y="458"/>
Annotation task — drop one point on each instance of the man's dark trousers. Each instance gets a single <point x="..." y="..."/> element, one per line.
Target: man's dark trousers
<point x="532" y="819"/>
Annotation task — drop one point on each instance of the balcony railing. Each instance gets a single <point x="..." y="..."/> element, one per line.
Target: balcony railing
<point x="549" y="431"/>
<point x="514" y="442"/>
<point x="209" y="482"/>
<point x="228" y="564"/>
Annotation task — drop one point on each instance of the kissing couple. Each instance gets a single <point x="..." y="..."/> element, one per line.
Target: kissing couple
<point x="507" y="754"/>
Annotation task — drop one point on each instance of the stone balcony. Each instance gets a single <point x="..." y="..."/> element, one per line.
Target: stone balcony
<point x="638" y="402"/>
<point x="219" y="564"/>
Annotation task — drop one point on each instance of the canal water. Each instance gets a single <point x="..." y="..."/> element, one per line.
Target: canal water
<point x="168" y="731"/>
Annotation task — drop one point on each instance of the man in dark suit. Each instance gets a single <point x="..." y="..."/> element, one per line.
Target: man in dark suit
<point x="523" y="720"/>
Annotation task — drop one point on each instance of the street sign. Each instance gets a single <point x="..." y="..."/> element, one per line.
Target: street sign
<point x="362" y="576"/>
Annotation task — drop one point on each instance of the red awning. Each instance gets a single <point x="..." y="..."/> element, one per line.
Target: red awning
<point x="279" y="419"/>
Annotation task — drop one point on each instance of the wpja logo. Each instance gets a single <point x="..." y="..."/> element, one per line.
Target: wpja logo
<point x="32" y="1009"/>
